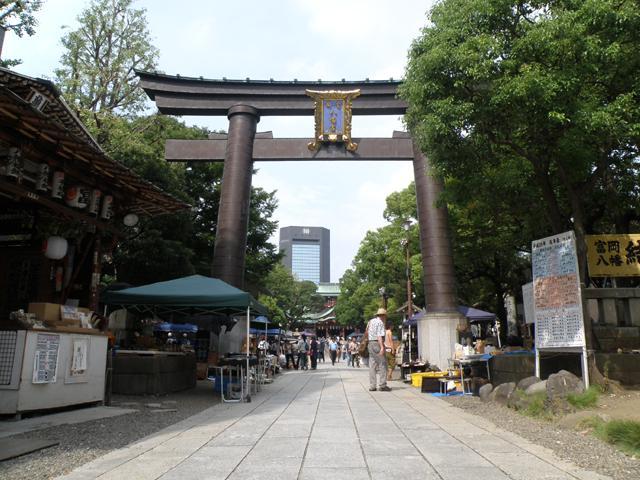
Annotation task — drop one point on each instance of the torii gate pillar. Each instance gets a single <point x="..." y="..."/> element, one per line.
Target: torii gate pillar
<point x="235" y="196"/>
<point x="437" y="328"/>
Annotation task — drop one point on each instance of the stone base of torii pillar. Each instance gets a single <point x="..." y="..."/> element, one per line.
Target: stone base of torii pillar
<point x="437" y="336"/>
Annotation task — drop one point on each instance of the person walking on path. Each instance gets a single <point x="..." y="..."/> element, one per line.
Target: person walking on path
<point x="333" y="350"/>
<point x="377" y="360"/>
<point x="351" y="352"/>
<point x="390" y="353"/>
<point x="321" y="348"/>
<point x="303" y="349"/>
<point x="314" y="353"/>
<point x="288" y="352"/>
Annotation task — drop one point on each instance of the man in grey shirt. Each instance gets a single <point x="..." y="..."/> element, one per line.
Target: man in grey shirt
<point x="377" y="360"/>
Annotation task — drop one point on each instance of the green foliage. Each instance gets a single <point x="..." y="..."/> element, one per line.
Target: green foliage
<point x="98" y="79"/>
<point x="381" y="262"/>
<point x="537" y="406"/>
<point x="18" y="16"/>
<point x="586" y="399"/>
<point x="530" y="102"/>
<point x="624" y="434"/>
<point x="287" y="299"/>
<point x="98" y="68"/>
<point x="139" y="144"/>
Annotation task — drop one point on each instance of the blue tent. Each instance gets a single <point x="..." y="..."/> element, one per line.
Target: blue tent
<point x="175" y="327"/>
<point x="473" y="314"/>
<point x="272" y="332"/>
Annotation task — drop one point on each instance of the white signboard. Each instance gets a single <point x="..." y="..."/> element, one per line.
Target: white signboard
<point x="556" y="292"/>
<point x="527" y="301"/>
<point x="45" y="361"/>
<point x="79" y="356"/>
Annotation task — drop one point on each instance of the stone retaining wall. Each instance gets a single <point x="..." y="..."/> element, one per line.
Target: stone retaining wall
<point x="623" y="367"/>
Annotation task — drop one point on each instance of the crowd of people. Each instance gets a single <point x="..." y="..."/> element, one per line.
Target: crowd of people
<point x="305" y="352"/>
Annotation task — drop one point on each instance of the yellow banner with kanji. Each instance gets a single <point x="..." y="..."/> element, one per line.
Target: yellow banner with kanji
<point x="613" y="255"/>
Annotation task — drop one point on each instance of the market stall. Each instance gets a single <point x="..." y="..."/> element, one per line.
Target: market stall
<point x="63" y="205"/>
<point x="193" y="297"/>
<point x="476" y="339"/>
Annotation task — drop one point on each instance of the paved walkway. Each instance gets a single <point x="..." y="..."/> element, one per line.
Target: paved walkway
<point x="326" y="425"/>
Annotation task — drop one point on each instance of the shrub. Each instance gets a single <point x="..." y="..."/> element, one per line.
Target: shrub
<point x="537" y="406"/>
<point x="586" y="399"/>
<point x="625" y="434"/>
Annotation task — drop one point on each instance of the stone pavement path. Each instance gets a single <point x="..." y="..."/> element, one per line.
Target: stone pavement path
<point x="325" y="424"/>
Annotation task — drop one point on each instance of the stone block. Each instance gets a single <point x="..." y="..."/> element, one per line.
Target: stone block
<point x="561" y="384"/>
<point x="536" y="388"/>
<point x="527" y="382"/>
<point x="502" y="393"/>
<point x="485" y="392"/>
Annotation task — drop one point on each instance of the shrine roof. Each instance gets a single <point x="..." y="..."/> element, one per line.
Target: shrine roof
<point x="57" y="131"/>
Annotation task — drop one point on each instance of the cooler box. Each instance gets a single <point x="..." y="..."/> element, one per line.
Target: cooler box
<point x="416" y="378"/>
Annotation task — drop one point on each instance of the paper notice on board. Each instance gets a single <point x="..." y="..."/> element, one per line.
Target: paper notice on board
<point x="79" y="357"/>
<point x="556" y="292"/>
<point x="527" y="300"/>
<point x="45" y="361"/>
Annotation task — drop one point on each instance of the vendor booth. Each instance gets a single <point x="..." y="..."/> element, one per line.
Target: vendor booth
<point x="63" y="206"/>
<point x="192" y="298"/>
<point x="470" y="360"/>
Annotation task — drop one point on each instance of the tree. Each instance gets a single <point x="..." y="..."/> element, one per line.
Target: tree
<point x="547" y="87"/>
<point x="190" y="235"/>
<point x="98" y="68"/>
<point x="381" y="262"/>
<point x="18" y="16"/>
<point x="287" y="299"/>
<point x="98" y="78"/>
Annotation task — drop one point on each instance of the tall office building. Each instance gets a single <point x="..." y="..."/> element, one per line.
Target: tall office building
<point x="306" y="252"/>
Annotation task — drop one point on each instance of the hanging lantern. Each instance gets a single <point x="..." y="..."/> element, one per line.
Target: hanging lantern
<point x="94" y="202"/>
<point x="42" y="182"/>
<point x="57" y="185"/>
<point x="107" y="208"/>
<point x="56" y="248"/>
<point x="130" y="219"/>
<point x="14" y="163"/>
<point x="83" y="196"/>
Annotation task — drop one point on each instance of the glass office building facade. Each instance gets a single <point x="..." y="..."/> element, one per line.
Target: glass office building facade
<point x="305" y="261"/>
<point x="306" y="252"/>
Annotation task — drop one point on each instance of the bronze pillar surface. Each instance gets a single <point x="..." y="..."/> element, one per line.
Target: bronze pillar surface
<point x="435" y="243"/>
<point x="233" y="213"/>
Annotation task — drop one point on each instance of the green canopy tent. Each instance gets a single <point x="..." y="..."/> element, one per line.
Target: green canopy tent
<point x="193" y="295"/>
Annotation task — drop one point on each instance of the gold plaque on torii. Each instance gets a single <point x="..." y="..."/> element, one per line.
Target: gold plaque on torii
<point x="333" y="117"/>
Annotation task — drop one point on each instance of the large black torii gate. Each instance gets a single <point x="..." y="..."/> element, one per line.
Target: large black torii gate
<point x="243" y="102"/>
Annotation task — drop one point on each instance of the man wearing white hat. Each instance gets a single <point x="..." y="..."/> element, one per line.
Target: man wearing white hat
<point x="377" y="359"/>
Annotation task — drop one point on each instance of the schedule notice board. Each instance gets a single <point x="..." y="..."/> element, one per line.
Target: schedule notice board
<point x="556" y="292"/>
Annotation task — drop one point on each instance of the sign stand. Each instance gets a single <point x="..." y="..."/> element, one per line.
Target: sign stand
<point x="557" y="299"/>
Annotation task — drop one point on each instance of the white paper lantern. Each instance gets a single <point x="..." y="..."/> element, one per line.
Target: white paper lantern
<point x="56" y="248"/>
<point x="130" y="219"/>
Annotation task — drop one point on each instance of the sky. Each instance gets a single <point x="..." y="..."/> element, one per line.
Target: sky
<point x="283" y="40"/>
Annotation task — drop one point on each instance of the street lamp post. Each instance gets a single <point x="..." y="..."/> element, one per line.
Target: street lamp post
<point x="405" y="242"/>
<point x="383" y="294"/>
<point x="407" y="226"/>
